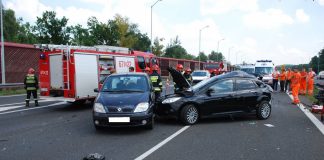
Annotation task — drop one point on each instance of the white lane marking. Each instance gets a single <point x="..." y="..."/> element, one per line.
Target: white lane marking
<point x="310" y="115"/>
<point x="8" y="108"/>
<point x="12" y="95"/>
<point x="32" y="101"/>
<point x="147" y="153"/>
<point x="26" y="109"/>
<point x="269" y="125"/>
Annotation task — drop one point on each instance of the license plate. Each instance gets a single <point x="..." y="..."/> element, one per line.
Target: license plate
<point x="118" y="119"/>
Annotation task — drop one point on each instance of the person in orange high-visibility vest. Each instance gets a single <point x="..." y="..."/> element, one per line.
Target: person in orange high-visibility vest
<point x="310" y="81"/>
<point x="282" y="77"/>
<point x="302" y="89"/>
<point x="295" y="84"/>
<point x="289" y="74"/>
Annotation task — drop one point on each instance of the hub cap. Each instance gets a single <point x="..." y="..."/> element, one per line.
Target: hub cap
<point x="265" y="110"/>
<point x="192" y="115"/>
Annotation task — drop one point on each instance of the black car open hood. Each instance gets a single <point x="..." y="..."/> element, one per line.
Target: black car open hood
<point x="178" y="78"/>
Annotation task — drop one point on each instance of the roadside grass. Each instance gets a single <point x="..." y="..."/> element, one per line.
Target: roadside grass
<point x="12" y="91"/>
<point x="312" y="98"/>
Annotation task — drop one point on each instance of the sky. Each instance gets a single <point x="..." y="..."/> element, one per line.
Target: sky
<point x="284" y="31"/>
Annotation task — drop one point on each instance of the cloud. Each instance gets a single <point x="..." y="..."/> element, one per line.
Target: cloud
<point x="223" y="6"/>
<point x="301" y="16"/>
<point x="321" y="2"/>
<point x="29" y="10"/>
<point x="296" y="56"/>
<point x="269" y="19"/>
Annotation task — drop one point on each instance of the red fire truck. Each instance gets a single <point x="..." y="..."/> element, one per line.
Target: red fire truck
<point x="71" y="73"/>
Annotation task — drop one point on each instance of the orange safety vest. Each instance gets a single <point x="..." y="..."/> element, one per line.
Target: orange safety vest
<point x="303" y="76"/>
<point x="289" y="75"/>
<point x="282" y="76"/>
<point x="295" y="80"/>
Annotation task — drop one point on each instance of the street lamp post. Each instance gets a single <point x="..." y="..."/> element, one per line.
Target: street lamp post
<point x="218" y="47"/>
<point x="200" y="43"/>
<point x="229" y="52"/>
<point x="3" y="70"/>
<point x="318" y="59"/>
<point x="152" y="23"/>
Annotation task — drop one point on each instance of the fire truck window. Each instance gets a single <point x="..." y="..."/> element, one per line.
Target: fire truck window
<point x="141" y="62"/>
<point x="147" y="61"/>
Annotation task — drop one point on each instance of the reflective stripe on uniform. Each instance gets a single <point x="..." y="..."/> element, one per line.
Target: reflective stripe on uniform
<point x="154" y="79"/>
<point x="31" y="88"/>
<point x="157" y="89"/>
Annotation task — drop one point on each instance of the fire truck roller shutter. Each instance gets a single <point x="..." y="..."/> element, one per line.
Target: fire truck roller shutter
<point x="86" y="74"/>
<point x="56" y="71"/>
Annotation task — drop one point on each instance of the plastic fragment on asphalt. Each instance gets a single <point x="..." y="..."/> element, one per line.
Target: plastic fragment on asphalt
<point x="252" y="123"/>
<point x="269" y="125"/>
<point x="3" y="149"/>
<point x="94" y="156"/>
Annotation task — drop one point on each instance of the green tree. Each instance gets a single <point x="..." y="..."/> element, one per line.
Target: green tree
<point x="143" y="42"/>
<point x="175" y="50"/>
<point x="158" y="47"/>
<point x="50" y="29"/>
<point x="81" y="36"/>
<point x="314" y="61"/>
<point x="10" y="26"/>
<point x="25" y="34"/>
<point x="202" y="56"/>
<point x="216" y="56"/>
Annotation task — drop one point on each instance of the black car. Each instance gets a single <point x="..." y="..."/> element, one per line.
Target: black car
<point x="233" y="92"/>
<point x="124" y="100"/>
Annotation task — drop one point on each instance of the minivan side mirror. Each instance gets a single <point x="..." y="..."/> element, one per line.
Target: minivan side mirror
<point x="210" y="91"/>
<point x="96" y="90"/>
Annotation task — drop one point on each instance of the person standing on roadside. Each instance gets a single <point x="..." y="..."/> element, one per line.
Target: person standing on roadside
<point x="310" y="81"/>
<point x="156" y="81"/>
<point x="295" y="84"/>
<point x="275" y="76"/>
<point x="188" y="76"/>
<point x="31" y="86"/>
<point x="302" y="89"/>
<point x="288" y="80"/>
<point x="282" y="77"/>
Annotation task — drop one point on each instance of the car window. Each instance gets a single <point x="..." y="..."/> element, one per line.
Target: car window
<point x="125" y="83"/>
<point x="243" y="84"/>
<point x="223" y="86"/>
<point x="199" y="74"/>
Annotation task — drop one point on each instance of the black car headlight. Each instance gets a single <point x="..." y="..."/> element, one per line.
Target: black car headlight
<point x="141" y="107"/>
<point x="170" y="100"/>
<point x="99" y="108"/>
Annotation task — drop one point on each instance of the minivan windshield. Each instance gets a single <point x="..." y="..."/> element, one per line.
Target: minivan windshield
<point x="125" y="83"/>
<point x="263" y="70"/>
<point x="199" y="74"/>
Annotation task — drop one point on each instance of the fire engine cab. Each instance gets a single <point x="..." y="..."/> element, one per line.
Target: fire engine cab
<point x="71" y="73"/>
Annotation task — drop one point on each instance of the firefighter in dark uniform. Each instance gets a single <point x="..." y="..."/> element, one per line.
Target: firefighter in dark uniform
<point x="188" y="76"/>
<point x="213" y="73"/>
<point x="156" y="81"/>
<point x="31" y="86"/>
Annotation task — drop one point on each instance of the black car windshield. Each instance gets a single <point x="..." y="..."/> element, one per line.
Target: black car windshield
<point x="125" y="83"/>
<point x="202" y="83"/>
<point x="199" y="74"/>
<point x="263" y="70"/>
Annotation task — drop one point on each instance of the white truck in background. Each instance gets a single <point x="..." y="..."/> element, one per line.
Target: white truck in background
<point x="264" y="69"/>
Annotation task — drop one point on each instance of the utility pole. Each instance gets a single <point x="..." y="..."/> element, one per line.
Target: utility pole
<point x="3" y="70"/>
<point x="200" y="43"/>
<point x="152" y="23"/>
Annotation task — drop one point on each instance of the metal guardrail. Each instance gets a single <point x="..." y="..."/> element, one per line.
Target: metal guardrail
<point x="9" y="85"/>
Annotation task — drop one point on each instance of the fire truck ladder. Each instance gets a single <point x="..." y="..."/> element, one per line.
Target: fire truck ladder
<point x="66" y="76"/>
<point x="102" y="48"/>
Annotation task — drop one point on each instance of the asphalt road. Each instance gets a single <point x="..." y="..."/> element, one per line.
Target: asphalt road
<point x="65" y="131"/>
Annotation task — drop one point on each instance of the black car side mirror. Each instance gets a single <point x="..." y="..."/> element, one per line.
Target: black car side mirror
<point x="210" y="91"/>
<point x="96" y="90"/>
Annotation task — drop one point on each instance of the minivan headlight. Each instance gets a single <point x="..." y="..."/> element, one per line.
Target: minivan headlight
<point x="170" y="100"/>
<point x="141" y="107"/>
<point x="99" y="108"/>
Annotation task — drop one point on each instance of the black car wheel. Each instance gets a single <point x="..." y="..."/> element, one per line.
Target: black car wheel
<point x="189" y="114"/>
<point x="264" y="110"/>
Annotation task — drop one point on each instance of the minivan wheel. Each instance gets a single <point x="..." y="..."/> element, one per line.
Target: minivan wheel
<point x="189" y="114"/>
<point x="264" y="110"/>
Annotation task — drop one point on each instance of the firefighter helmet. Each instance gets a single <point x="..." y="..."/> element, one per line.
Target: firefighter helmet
<point x="188" y="70"/>
<point x="179" y="66"/>
<point x="155" y="67"/>
<point x="147" y="69"/>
